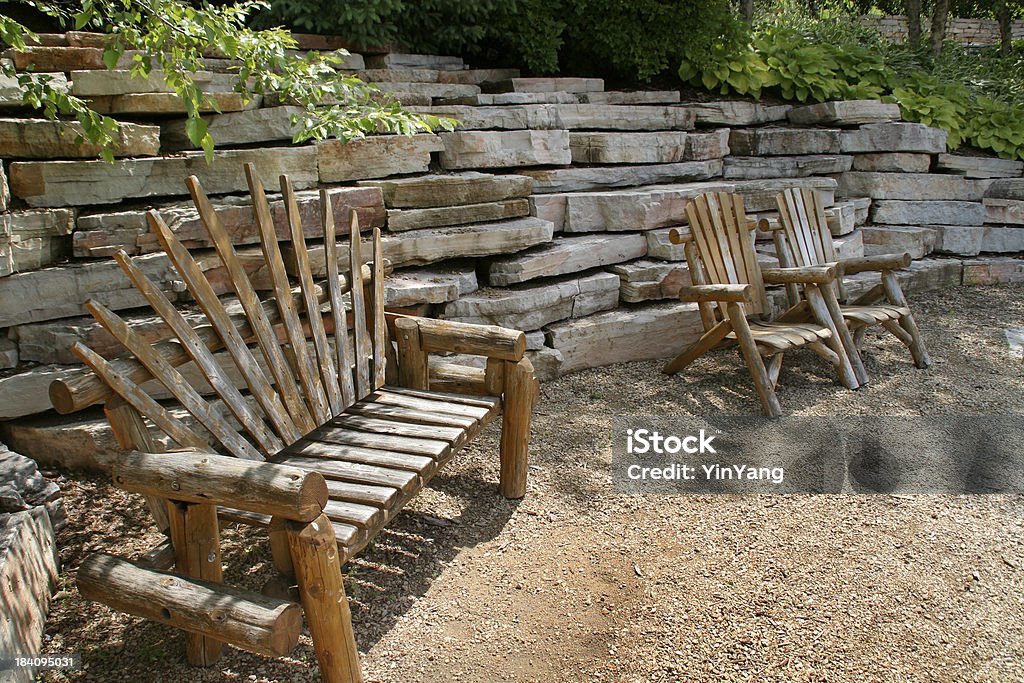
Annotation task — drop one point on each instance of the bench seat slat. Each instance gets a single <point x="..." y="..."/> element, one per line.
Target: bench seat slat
<point x="362" y="516"/>
<point x="453" y="435"/>
<point x="403" y="414"/>
<point x="401" y="480"/>
<point x="489" y="402"/>
<point x="389" y="442"/>
<point x="424" y="401"/>
<point x="420" y="464"/>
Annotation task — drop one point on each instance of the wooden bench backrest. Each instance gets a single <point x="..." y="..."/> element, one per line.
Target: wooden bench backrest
<point x="725" y="244"/>
<point x="808" y="238"/>
<point x="295" y="386"/>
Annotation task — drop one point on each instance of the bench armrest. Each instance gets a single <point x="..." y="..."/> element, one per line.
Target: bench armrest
<point x="876" y="263"/>
<point x="490" y="341"/>
<point x="715" y="293"/>
<point x="818" y="275"/>
<point x="203" y="477"/>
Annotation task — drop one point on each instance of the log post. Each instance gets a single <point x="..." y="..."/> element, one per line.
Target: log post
<point x="894" y="293"/>
<point x="195" y="535"/>
<point x="494" y="377"/>
<point x="762" y="383"/>
<point x="132" y="434"/>
<point x="822" y="316"/>
<point x="314" y="552"/>
<point x="413" y="372"/>
<point x="521" y="390"/>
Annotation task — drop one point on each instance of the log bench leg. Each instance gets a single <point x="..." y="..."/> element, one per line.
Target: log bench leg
<point x="762" y="383"/>
<point x="521" y="389"/>
<point x="894" y="293"/>
<point x="314" y="555"/>
<point x="195" y="534"/>
<point x="844" y="368"/>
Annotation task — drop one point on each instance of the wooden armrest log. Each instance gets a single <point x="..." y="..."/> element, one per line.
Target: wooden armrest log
<point x="478" y="340"/>
<point x="248" y="620"/>
<point x="819" y="275"/>
<point x="261" y="487"/>
<point x="713" y="293"/>
<point x="878" y="262"/>
<point x="74" y="393"/>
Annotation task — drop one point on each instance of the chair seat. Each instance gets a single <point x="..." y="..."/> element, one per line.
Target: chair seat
<point x="871" y="315"/>
<point x="782" y="336"/>
<point x="380" y="453"/>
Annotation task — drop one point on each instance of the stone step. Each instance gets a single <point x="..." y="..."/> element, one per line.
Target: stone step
<point x="421" y="247"/>
<point x="759" y="195"/>
<point x="628" y="148"/>
<point x="46" y="139"/>
<point x="625" y="335"/>
<point x="402" y="75"/>
<point x="377" y="156"/>
<point x="642" y="208"/>
<point x="80" y="183"/>
<point x="993" y="271"/>
<point x="566" y="255"/>
<point x="46" y="58"/>
<point x="400" y="60"/>
<point x="450" y="190"/>
<point x="959" y="240"/>
<point x="505" y="149"/>
<point x="347" y="61"/>
<point x="568" y="116"/>
<point x="927" y="212"/>
<point x="750" y="168"/>
<point x="235" y="128"/>
<point x="146" y="104"/>
<point x="533" y="306"/>
<point x="1003" y="240"/>
<point x="850" y="245"/>
<point x="861" y="208"/>
<point x="914" y="186"/>
<point x="477" y="76"/>
<point x="703" y="146"/>
<point x="11" y="93"/>
<point x="548" y="84"/>
<point x="431" y="90"/>
<point x="24" y="254"/>
<point x="892" y="162"/>
<point x="1004" y="211"/>
<point x="894" y="137"/>
<point x="895" y="239"/>
<point x="660" y="247"/>
<point x="980" y="167"/>
<point x="842" y="218"/>
<point x="415" y="219"/>
<point x="573" y="179"/>
<point x="844" y="113"/>
<point x="737" y="113"/>
<point x="101" y="234"/>
<point x="91" y="82"/>
<point x="512" y="99"/>
<point x="919" y="276"/>
<point x="784" y="141"/>
<point x="430" y="285"/>
<point x="1006" y="188"/>
<point x="647" y="280"/>
<point x="631" y="97"/>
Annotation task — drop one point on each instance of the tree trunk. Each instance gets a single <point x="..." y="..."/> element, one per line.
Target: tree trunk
<point x="747" y="10"/>
<point x="939" y="26"/>
<point x="913" y="10"/>
<point x="1003" y="17"/>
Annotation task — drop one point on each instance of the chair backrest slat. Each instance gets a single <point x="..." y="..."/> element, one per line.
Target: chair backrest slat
<point x="292" y="423"/>
<point x="342" y="346"/>
<point x="298" y="353"/>
<point x="363" y="350"/>
<point x="210" y="417"/>
<point x="805" y="227"/>
<point x="380" y="328"/>
<point x="324" y="357"/>
<point x="725" y="244"/>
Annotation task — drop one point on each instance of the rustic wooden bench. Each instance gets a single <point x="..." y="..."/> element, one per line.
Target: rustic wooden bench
<point x="341" y="425"/>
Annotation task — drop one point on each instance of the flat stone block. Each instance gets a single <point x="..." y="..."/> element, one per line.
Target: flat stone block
<point x="431" y="90"/>
<point x="927" y="212"/>
<point x="1003" y="240"/>
<point x="431" y="285"/>
<point x="567" y="116"/>
<point x="52" y="58"/>
<point x="401" y="60"/>
<point x="959" y="240"/>
<point x="92" y="82"/>
<point x="45" y="139"/>
<point x="646" y="280"/>
<point x="505" y="149"/>
<point x="477" y="76"/>
<point x="550" y="207"/>
<point x="627" y="148"/>
<point x="513" y="98"/>
<point x="236" y="128"/>
<point x="1006" y="188"/>
<point x="631" y="97"/>
<point x="759" y="195"/>
<point x="641" y="208"/>
<point x="894" y="137"/>
<point x="849" y="246"/>
<point x="784" y="141"/>
<point x="1004" y="211"/>
<point x="420" y="247"/>
<point x="145" y="104"/>
<point x="660" y="247"/>
<point x="892" y="162"/>
<point x="842" y="218"/>
<point x="895" y="239"/>
<point x="450" y="189"/>
<point x="566" y="255"/>
<point x="569" y="84"/>
<point x="576" y="179"/>
<point x="705" y="146"/>
<point x="377" y="156"/>
<point x="752" y="168"/>
<point x="979" y="167"/>
<point x="414" y="219"/>
<point x="912" y="186"/>
<point x="993" y="271"/>
<point x="844" y="113"/>
<point x="737" y="113"/>
<point x="11" y="93"/>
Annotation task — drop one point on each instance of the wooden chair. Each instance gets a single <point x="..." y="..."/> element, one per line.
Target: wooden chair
<point x="335" y="436"/>
<point x="807" y="241"/>
<point x="726" y="275"/>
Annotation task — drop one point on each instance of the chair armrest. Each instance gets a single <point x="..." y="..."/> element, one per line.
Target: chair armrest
<point x="490" y="341"/>
<point x="201" y="477"/>
<point x="876" y="263"/>
<point x="715" y="293"/>
<point x="818" y="275"/>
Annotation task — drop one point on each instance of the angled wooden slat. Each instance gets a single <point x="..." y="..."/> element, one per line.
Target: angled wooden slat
<point x="200" y="354"/>
<point x="324" y="355"/>
<point x="490" y="403"/>
<point x="296" y="421"/>
<point x="299" y="357"/>
<point x="383" y="497"/>
<point x="814" y="225"/>
<point x="309" y="447"/>
<point x="138" y="399"/>
<point x="453" y="435"/>
<point x="720" y="236"/>
<point x="402" y="414"/>
<point x="178" y="386"/>
<point x="363" y="351"/>
<point x="401" y="480"/>
<point x="795" y="228"/>
<point x="753" y="266"/>
<point x="356" y="514"/>
<point x="380" y="329"/>
<point x="707" y="246"/>
<point x="823" y="234"/>
<point x="342" y="346"/>
<point x="345" y="534"/>
<point x="731" y="236"/>
<point x="385" y="442"/>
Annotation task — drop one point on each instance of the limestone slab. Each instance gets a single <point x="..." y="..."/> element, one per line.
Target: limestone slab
<point x="550" y="207"/>
<point x="1006" y="188"/>
<point x="980" y="167"/>
<point x="737" y="113"/>
<point x="430" y="285"/>
<point x="1003" y="240"/>
<point x="146" y="104"/>
<point x="453" y="189"/>
<point x="627" y="148"/>
<point x="477" y="76"/>
<point x="842" y="218"/>
<point x="759" y="195"/>
<point x="421" y="247"/>
<point x="894" y="137"/>
<point x="505" y="149"/>
<point x="548" y="84"/>
<point x="403" y="60"/>
<point x="912" y="186"/>
<point x="631" y="97"/>
<point x="414" y="219"/>
<point x="377" y="156"/>
<point x="646" y="280"/>
<point x="892" y="162"/>
<point x="567" y="116"/>
<point x="959" y="240"/>
<point x="11" y="94"/>
<point x="92" y="82"/>
<point x="566" y="255"/>
<point x="52" y="58"/>
<point x="660" y="247"/>
<point x="895" y="239"/>
<point x="1004" y="211"/>
<point x="642" y="208"/>
<point x="513" y="98"/>
<point x="701" y="146"/>
<point x="783" y="141"/>
<point x="431" y="90"/>
<point x="750" y="168"/>
<point x="927" y="212"/>
<point x="236" y="128"/>
<point x="850" y="245"/>
<point x="46" y="139"/>
<point x="844" y="113"/>
<point x="993" y="271"/>
<point x="574" y="179"/>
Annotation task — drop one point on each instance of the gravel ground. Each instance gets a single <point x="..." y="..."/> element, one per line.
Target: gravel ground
<point x="576" y="583"/>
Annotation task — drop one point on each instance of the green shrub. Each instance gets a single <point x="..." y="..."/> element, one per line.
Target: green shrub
<point x="996" y="125"/>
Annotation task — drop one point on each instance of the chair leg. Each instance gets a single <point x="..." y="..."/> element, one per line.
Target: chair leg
<point x="765" y="389"/>
<point x="835" y="311"/>
<point x="895" y="295"/>
<point x="821" y="315"/>
<point x="314" y="551"/>
<point x="774" y="367"/>
<point x="708" y="341"/>
<point x="195" y="535"/>
<point x="858" y="338"/>
<point x="521" y="391"/>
